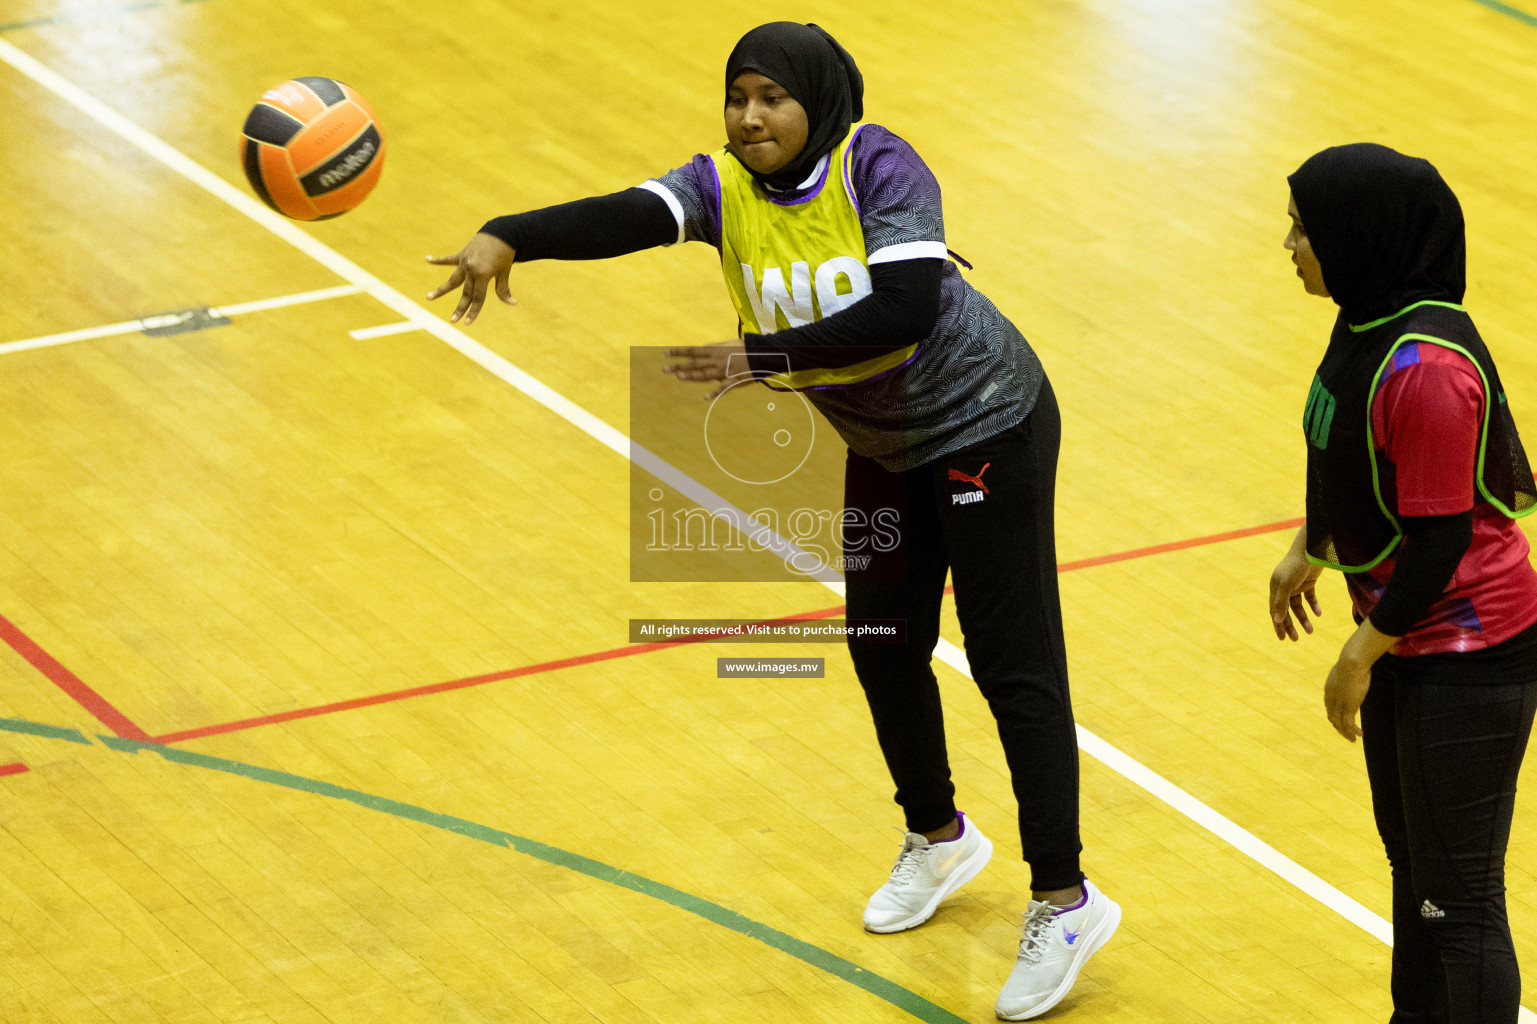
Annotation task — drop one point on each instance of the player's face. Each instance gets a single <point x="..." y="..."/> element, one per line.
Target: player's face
<point x="765" y="126"/>
<point x="1302" y="255"/>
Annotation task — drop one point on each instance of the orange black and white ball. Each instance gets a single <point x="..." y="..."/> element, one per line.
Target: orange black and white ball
<point x="311" y="148"/>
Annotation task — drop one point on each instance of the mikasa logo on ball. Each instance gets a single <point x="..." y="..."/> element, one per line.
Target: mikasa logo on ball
<point x="349" y="166"/>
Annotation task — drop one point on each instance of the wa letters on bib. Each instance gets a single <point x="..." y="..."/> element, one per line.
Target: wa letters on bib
<point x="788" y="264"/>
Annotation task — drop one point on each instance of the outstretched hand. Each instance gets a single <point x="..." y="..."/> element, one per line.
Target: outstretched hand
<point x="485" y="259"/>
<point x="708" y="363"/>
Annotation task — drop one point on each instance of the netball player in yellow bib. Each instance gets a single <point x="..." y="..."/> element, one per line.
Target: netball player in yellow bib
<point x="831" y="237"/>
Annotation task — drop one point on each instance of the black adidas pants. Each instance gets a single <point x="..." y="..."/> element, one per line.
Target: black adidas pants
<point x="1442" y="758"/>
<point x="992" y="529"/>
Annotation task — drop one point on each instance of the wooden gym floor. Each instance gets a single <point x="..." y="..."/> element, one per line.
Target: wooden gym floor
<point x="317" y="702"/>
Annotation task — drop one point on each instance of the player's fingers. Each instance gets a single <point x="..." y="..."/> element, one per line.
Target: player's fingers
<point x="453" y="282"/>
<point x="503" y="289"/>
<point x="1278" y="615"/>
<point x="1340" y="708"/>
<point x="1286" y="629"/>
<point x="476" y="288"/>
<point x="1277" y="596"/>
<point x="698" y="353"/>
<point x="1331" y="709"/>
<point x="1312" y="597"/>
<point x="1301" y="613"/>
<point x="466" y="299"/>
<point x="1344" y="721"/>
<point x="445" y="260"/>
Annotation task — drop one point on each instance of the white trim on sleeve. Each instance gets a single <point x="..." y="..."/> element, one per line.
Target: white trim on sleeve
<point x="671" y="200"/>
<point x="909" y="251"/>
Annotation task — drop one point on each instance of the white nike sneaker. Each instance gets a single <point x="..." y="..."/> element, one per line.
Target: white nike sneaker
<point x="1056" y="944"/>
<point x="924" y="874"/>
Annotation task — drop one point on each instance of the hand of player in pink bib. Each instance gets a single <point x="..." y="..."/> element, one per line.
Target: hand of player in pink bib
<point x="1292" y="581"/>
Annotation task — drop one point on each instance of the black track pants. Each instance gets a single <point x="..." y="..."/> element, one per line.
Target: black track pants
<point x="997" y="541"/>
<point x="1442" y="759"/>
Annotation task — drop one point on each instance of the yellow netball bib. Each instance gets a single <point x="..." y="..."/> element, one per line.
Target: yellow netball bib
<point x="790" y="264"/>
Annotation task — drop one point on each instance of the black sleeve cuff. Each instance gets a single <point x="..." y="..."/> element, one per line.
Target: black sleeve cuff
<point x="505" y="228"/>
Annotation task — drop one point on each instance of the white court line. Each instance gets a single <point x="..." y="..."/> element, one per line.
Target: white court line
<point x="384" y="330"/>
<point x="1213" y="821"/>
<point x="363" y="280"/>
<point x="296" y="299"/>
<point x="84" y="334"/>
<point x="1115" y="759"/>
<point x="134" y="326"/>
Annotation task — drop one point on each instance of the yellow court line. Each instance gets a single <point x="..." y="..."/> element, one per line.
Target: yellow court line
<point x="1115" y="759"/>
<point x="165" y="320"/>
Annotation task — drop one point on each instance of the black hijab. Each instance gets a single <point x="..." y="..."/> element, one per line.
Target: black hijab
<point x="1386" y="229"/>
<point x="821" y="76"/>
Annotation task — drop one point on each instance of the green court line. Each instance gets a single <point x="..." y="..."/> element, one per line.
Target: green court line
<point x="65" y="19"/>
<point x="53" y="732"/>
<point x="1506" y="9"/>
<point x="816" y="956"/>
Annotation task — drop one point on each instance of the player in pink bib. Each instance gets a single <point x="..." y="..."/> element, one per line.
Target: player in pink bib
<point x="1416" y="475"/>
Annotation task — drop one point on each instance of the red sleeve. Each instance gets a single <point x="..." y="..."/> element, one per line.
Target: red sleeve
<point x="1428" y="417"/>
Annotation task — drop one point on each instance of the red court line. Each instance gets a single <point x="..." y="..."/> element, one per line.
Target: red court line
<point x="1180" y="545"/>
<point x="13" y="769"/>
<point x="458" y="684"/>
<point x="70" y="683"/>
<point x="632" y="649"/>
